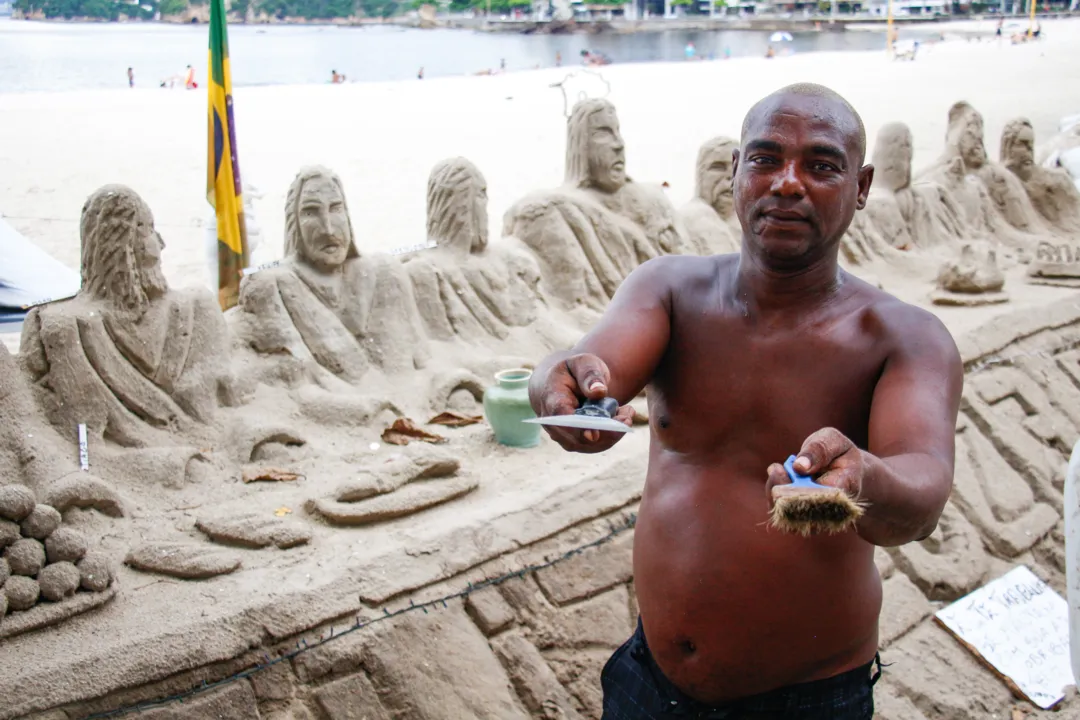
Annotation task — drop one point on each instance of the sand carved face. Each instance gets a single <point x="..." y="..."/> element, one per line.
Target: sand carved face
<point x="457" y="213"/>
<point x="714" y="175"/>
<point x="892" y="157"/>
<point x="121" y="250"/>
<point x="318" y="231"/>
<point x="1018" y="148"/>
<point x="607" y="159"/>
<point x="966" y="135"/>
<point x="594" y="147"/>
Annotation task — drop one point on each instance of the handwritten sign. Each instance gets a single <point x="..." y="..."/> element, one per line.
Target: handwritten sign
<point x="256" y="268"/>
<point x="413" y="248"/>
<point x="1020" y="627"/>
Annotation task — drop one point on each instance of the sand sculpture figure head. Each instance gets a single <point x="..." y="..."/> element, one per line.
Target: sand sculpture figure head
<point x="714" y="179"/>
<point x="318" y="231"/>
<point x="121" y="251"/>
<point x="965" y="134"/>
<point x="1018" y="147"/>
<point x="594" y="147"/>
<point x="892" y="157"/>
<point x="457" y="214"/>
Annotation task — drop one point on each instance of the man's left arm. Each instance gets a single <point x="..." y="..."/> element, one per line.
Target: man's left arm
<point x="905" y="476"/>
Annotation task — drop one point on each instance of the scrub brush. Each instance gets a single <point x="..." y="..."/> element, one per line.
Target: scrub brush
<point x="805" y="507"/>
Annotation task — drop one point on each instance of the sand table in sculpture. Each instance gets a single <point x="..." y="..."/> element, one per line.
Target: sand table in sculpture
<point x="709" y="218"/>
<point x="594" y="230"/>
<point x="47" y="572"/>
<point x="327" y="307"/>
<point x="137" y="363"/>
<point x="463" y="286"/>
<point x="971" y="278"/>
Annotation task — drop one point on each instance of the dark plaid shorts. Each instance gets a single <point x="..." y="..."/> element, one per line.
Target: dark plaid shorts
<point x="635" y="689"/>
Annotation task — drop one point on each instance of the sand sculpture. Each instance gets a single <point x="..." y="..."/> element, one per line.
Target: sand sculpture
<point x="909" y="216"/>
<point x="326" y="306"/>
<point x="590" y="233"/>
<point x="464" y="286"/>
<point x="139" y="364"/>
<point x="1052" y="192"/>
<point x="971" y="278"/>
<point x="994" y="201"/>
<point x="709" y="219"/>
<point x="47" y="572"/>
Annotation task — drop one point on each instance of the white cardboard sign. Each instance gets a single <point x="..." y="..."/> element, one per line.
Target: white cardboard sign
<point x="1020" y="627"/>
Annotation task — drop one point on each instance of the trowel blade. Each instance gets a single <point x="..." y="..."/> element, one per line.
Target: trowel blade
<point x="581" y="422"/>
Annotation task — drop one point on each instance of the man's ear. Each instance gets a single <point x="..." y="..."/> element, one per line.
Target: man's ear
<point x="734" y="161"/>
<point x="866" y="176"/>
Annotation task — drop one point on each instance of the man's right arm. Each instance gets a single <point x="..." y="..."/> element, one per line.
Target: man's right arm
<point x="617" y="358"/>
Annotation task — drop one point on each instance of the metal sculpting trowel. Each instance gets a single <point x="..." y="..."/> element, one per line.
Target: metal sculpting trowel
<point x="592" y="415"/>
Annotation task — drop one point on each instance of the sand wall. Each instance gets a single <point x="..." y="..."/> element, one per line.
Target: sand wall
<point x="534" y="645"/>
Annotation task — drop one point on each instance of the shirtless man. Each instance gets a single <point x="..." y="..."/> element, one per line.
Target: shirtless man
<point x="748" y="359"/>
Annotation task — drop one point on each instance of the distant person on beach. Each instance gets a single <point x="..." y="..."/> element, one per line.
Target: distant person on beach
<point x="420" y="74"/>
<point x="769" y="52"/>
<point x="690" y="50"/>
<point x="558" y="59"/>
<point x="131" y="78"/>
<point x="737" y="619"/>
<point x="189" y="79"/>
<point x="502" y="65"/>
<point x="336" y="77"/>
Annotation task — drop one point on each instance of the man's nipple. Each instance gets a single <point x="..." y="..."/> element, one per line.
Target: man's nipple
<point x="663" y="422"/>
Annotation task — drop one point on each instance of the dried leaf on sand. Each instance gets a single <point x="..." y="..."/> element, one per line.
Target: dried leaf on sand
<point x="403" y="430"/>
<point x="251" y="475"/>
<point x="455" y="419"/>
<point x="282" y="511"/>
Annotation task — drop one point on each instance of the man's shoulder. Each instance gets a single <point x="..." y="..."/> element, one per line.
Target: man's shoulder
<point x="668" y="273"/>
<point x="902" y="325"/>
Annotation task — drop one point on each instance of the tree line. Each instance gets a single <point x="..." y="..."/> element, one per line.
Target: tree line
<point x="306" y="9"/>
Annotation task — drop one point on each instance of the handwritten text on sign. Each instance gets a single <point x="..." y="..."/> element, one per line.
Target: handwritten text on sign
<point x="1021" y="627"/>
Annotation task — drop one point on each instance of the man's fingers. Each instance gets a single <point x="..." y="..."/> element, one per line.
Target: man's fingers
<point x="591" y="374"/>
<point x="625" y="415"/>
<point x="820" y="449"/>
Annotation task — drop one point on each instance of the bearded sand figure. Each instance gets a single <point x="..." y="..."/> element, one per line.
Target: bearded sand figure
<point x="994" y="201"/>
<point x="463" y="286"/>
<point x="141" y="365"/>
<point x="593" y="231"/>
<point x="325" y="305"/>
<point x="909" y="216"/>
<point x="709" y="219"/>
<point x="1052" y="192"/>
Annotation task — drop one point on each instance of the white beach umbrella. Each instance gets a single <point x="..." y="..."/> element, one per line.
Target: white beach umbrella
<point x="29" y="275"/>
<point x="780" y="37"/>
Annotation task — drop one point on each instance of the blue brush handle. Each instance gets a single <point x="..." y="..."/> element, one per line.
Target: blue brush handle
<point x="796" y="478"/>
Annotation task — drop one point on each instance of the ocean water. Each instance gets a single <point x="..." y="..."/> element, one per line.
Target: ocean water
<point x="50" y="56"/>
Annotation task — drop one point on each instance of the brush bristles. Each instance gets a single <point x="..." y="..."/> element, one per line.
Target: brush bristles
<point x="808" y="511"/>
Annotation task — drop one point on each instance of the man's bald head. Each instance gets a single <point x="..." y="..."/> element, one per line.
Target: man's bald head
<point x="832" y="105"/>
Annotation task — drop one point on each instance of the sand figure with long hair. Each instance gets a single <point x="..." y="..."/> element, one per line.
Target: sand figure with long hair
<point x="593" y="231"/>
<point x="910" y="215"/>
<point x="138" y="363"/>
<point x="1051" y="191"/>
<point x="709" y="218"/>
<point x="326" y="305"/>
<point x="464" y="286"/>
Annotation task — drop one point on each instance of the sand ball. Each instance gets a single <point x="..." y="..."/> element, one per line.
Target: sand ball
<point x="41" y="522"/>
<point x="5" y="571"/>
<point x="21" y="592"/>
<point x="65" y="545"/>
<point x="26" y="557"/>
<point x="59" y="580"/>
<point x="96" y="575"/>
<point x="9" y="533"/>
<point x="16" y="502"/>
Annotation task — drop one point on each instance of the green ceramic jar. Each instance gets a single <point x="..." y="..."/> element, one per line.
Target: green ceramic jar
<point x="506" y="404"/>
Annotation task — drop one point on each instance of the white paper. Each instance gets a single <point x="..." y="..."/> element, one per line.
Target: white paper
<point x="84" y="454"/>
<point x="1021" y="627"/>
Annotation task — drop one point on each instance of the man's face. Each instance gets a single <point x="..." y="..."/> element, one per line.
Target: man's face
<point x="1020" y="156"/>
<point x="324" y="225"/>
<point x="797" y="177"/>
<point x="970" y="142"/>
<point x="607" y="162"/>
<point x="716" y="180"/>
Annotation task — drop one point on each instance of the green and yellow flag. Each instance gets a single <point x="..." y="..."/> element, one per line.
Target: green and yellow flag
<point x="223" y="171"/>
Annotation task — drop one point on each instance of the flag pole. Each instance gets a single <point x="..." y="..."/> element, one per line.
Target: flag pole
<point x="223" y="187"/>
